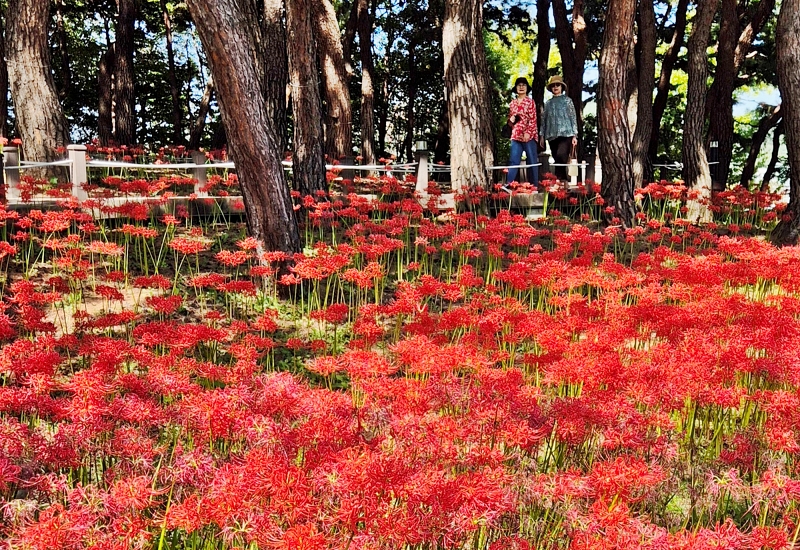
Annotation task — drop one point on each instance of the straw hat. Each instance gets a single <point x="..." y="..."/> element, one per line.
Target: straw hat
<point x="556" y="80"/>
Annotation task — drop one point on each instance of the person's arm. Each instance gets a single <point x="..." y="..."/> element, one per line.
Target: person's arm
<point x="573" y="120"/>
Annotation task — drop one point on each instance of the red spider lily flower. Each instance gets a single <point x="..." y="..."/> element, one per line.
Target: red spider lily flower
<point x="232" y="258"/>
<point x="165" y="305"/>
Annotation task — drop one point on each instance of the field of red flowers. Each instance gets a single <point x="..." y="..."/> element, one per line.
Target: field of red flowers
<point x="435" y="381"/>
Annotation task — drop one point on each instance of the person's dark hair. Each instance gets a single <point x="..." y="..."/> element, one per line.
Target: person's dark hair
<point x="523" y="80"/>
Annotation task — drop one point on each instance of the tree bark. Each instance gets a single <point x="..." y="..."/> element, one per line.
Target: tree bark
<point x="202" y="114"/>
<point x="308" y="169"/>
<point x="642" y="168"/>
<point x="3" y="82"/>
<point x="338" y="115"/>
<point x="172" y="80"/>
<point x="227" y="29"/>
<point x="613" y="138"/>
<point x="365" y="22"/>
<point x="696" y="172"/>
<point x="466" y="77"/>
<point x="667" y="65"/>
<point x="719" y="103"/>
<point x="125" y="100"/>
<point x="572" y="45"/>
<point x="773" y="161"/>
<point x="275" y="80"/>
<point x="788" y="44"/>
<point x="764" y="126"/>
<point x="411" y="96"/>
<point x="105" y="95"/>
<point x="350" y="32"/>
<point x="542" y="53"/>
<point x="733" y="47"/>
<point x="40" y="120"/>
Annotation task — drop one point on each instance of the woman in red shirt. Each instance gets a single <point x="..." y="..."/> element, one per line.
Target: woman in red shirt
<point x="525" y="133"/>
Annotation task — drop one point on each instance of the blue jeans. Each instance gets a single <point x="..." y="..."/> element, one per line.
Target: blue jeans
<point x="531" y="157"/>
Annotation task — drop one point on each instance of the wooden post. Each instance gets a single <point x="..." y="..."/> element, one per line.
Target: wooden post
<point x="598" y="170"/>
<point x="199" y="173"/>
<point x="77" y="172"/>
<point x="11" y="160"/>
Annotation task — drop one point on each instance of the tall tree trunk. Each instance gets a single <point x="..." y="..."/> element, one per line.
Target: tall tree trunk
<point x="125" y="100"/>
<point x="764" y="126"/>
<point x="733" y="47"/>
<point x="667" y="65"/>
<point x="65" y="76"/>
<point x="613" y="140"/>
<point x="696" y="172"/>
<point x="275" y="80"/>
<point x="40" y="120"/>
<point x="3" y="82"/>
<point x="172" y="80"/>
<point x="573" y="46"/>
<point x="227" y="29"/>
<point x="542" y="53"/>
<point x="788" y="44"/>
<point x="466" y="78"/>
<point x="308" y="159"/>
<point x="442" y="146"/>
<point x="413" y="85"/>
<point x="642" y="167"/>
<point x="773" y="161"/>
<point x="202" y="114"/>
<point x="719" y="103"/>
<point x="105" y="94"/>
<point x="338" y="115"/>
<point x="365" y="20"/>
<point x="350" y="32"/>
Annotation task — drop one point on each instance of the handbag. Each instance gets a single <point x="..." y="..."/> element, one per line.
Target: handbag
<point x="506" y="130"/>
<point x="572" y="169"/>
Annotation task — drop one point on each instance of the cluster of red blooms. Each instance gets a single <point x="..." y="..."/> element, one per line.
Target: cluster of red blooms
<point x="462" y="381"/>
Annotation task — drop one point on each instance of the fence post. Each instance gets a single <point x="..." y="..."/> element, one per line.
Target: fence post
<point x="199" y="173"/>
<point x="422" y="169"/>
<point x="77" y="170"/>
<point x="11" y="160"/>
<point x="598" y="170"/>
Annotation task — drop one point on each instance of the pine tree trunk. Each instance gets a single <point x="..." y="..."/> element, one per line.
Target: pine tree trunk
<point x="411" y="97"/>
<point x="667" y="65"/>
<point x="733" y="47"/>
<point x="719" y="103"/>
<point x="202" y="114"/>
<point x="696" y="172"/>
<point x="788" y="44"/>
<point x="572" y="46"/>
<point x="125" y="96"/>
<point x="613" y="140"/>
<point x="275" y="79"/>
<point x="172" y="80"/>
<point x="466" y="78"/>
<point x="3" y="82"/>
<point x="773" y="161"/>
<point x="365" y="22"/>
<point x="40" y="120"/>
<point x="764" y="126"/>
<point x="642" y="168"/>
<point x="542" y="53"/>
<point x="338" y="115"/>
<point x="105" y="95"/>
<point x="308" y="158"/>
<point x="227" y="29"/>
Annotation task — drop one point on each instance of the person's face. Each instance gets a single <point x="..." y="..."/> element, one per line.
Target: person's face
<point x="522" y="88"/>
<point x="556" y="89"/>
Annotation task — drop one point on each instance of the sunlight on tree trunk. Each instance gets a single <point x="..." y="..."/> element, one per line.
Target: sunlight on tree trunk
<point x="40" y="120"/>
<point x="466" y="78"/>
